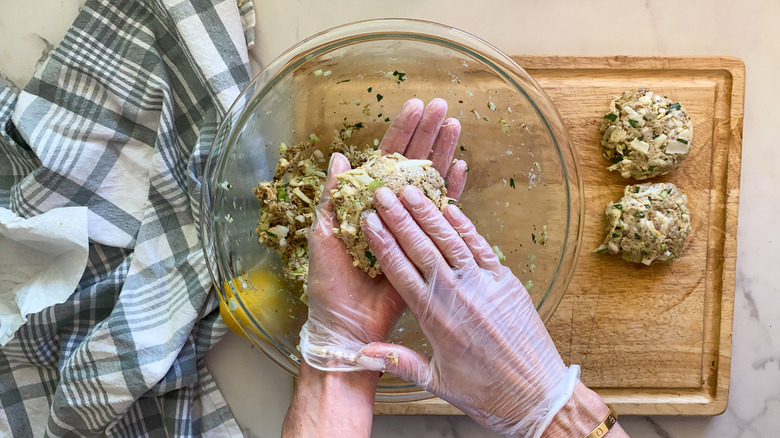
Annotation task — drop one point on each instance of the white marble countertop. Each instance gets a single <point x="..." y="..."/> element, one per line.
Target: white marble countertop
<point x="259" y="392"/>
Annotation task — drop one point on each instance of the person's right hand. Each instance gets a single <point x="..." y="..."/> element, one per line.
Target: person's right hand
<point x="492" y="356"/>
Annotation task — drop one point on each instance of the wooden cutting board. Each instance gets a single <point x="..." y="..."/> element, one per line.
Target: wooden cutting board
<point x="660" y="342"/>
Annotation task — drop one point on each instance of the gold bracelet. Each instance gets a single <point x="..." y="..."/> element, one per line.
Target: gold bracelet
<point x="605" y="425"/>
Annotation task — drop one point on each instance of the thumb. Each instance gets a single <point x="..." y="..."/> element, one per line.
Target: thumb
<point x="324" y="213"/>
<point x="338" y="165"/>
<point x="399" y="360"/>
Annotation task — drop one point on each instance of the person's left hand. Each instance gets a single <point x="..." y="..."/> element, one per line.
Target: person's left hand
<point x="347" y="308"/>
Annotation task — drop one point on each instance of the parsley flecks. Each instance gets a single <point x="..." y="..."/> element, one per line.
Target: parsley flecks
<point x="611" y="117"/>
<point x="462" y="148"/>
<point x="682" y="140"/>
<point x="370" y="88"/>
<point x="639" y="214"/>
<point x="371" y="258"/>
<point x="379" y="97"/>
<point x="637" y="236"/>
<point x="512" y="182"/>
<point x="618" y="206"/>
<point x="342" y="81"/>
<point x="270" y="234"/>
<point x="633" y="123"/>
<point x="400" y="76"/>
<point x="674" y="106"/>
<point x="387" y="119"/>
<point x="603" y="251"/>
<point x="533" y="237"/>
<point x="281" y="195"/>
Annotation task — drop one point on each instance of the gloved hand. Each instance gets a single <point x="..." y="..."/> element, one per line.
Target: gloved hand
<point x="492" y="356"/>
<point x="347" y="308"/>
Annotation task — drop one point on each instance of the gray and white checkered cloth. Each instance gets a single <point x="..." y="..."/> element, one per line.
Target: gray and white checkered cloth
<point x="119" y="119"/>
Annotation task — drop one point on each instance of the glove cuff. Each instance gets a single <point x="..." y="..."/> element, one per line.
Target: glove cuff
<point x="555" y="401"/>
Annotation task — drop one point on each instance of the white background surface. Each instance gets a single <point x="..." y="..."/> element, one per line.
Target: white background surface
<point x="259" y="392"/>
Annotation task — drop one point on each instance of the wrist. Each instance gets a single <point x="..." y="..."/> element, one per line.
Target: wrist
<point x="584" y="411"/>
<point x="331" y="403"/>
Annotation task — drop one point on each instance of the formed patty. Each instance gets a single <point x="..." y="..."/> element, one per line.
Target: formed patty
<point x="650" y="222"/>
<point x="645" y="134"/>
<point x="353" y="198"/>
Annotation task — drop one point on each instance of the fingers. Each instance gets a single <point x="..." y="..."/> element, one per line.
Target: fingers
<point x="401" y="361"/>
<point x="431" y="221"/>
<point x="422" y="140"/>
<point x="480" y="248"/>
<point x="444" y="145"/>
<point x="325" y="214"/>
<point x="456" y="179"/>
<point x="398" y="269"/>
<point x="400" y="132"/>
<point x="412" y="240"/>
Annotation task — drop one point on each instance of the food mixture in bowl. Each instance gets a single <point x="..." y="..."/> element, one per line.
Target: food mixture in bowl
<point x="288" y="202"/>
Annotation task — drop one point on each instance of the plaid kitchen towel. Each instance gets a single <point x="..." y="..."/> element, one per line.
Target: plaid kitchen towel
<point x="119" y="119"/>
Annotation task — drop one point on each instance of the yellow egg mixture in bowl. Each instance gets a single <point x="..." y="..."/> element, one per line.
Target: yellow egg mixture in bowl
<point x="523" y="192"/>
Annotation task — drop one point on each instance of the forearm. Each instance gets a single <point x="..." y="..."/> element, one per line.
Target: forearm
<point x="331" y="404"/>
<point x="583" y="412"/>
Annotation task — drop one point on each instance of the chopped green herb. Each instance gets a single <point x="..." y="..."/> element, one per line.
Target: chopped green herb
<point x="633" y="123"/>
<point x="451" y="201"/>
<point x="358" y="125"/>
<point x="379" y="115"/>
<point x="387" y="119"/>
<point x="270" y="234"/>
<point x="627" y="257"/>
<point x="674" y="106"/>
<point x="462" y="148"/>
<point x="379" y="97"/>
<point x="603" y="251"/>
<point x="664" y="194"/>
<point x="611" y="117"/>
<point x="467" y="170"/>
<point x="342" y="81"/>
<point x="636" y="189"/>
<point x="637" y="236"/>
<point x="664" y="247"/>
<point x="371" y="258"/>
<point x="370" y="88"/>
<point x="399" y="76"/>
<point x="281" y="195"/>
<point x="682" y="140"/>
<point x="651" y="168"/>
<point x="639" y="214"/>
<point x="512" y="182"/>
<point x="618" y="206"/>
<point x="615" y="235"/>
<point x="533" y="237"/>
<point x="617" y="159"/>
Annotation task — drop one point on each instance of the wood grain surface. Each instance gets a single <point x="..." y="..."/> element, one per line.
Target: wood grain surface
<point x="650" y="340"/>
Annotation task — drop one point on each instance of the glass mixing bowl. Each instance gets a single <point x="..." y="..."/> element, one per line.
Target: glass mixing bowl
<point x="524" y="190"/>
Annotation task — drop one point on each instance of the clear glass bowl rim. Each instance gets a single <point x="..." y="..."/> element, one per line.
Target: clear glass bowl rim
<point x="375" y="29"/>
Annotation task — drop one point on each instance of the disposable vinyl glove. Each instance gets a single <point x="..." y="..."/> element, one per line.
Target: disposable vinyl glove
<point x="492" y="356"/>
<point x="347" y="308"/>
